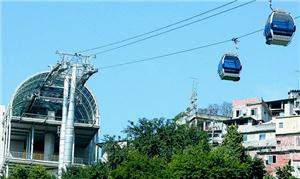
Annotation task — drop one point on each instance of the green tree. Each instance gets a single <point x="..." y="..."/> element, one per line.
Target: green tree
<point x="37" y="172"/>
<point x="74" y="172"/>
<point x="163" y="138"/>
<point x="192" y="163"/>
<point x="223" y="164"/>
<point x="97" y="171"/>
<point x="195" y="162"/>
<point x="31" y="172"/>
<point x="116" y="150"/>
<point x="159" y="148"/>
<point x="257" y="168"/>
<point x="233" y="141"/>
<point x="138" y="165"/>
<point x="285" y="172"/>
<point x="19" y="172"/>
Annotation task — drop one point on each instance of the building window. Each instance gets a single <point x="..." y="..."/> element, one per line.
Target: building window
<point x="298" y="141"/>
<point x="244" y="137"/>
<point x="237" y="113"/>
<point x="262" y="136"/>
<point x="271" y="159"/>
<point x="280" y="125"/>
<point x="253" y="112"/>
<point x="297" y="104"/>
<point x="281" y="114"/>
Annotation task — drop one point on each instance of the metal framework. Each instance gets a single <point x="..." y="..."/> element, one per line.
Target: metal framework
<point x="62" y="91"/>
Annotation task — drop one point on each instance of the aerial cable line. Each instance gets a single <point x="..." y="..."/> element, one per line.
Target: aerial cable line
<point x="146" y="38"/>
<point x="183" y="51"/>
<point x="158" y="29"/>
<point x="164" y="55"/>
<point x="179" y="52"/>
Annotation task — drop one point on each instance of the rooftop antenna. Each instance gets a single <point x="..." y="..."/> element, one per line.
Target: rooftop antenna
<point x="192" y="109"/>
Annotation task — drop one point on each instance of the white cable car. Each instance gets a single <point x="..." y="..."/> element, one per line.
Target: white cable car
<point x="280" y="28"/>
<point x="230" y="67"/>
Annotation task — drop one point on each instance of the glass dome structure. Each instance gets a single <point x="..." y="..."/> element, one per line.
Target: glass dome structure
<point x="41" y="96"/>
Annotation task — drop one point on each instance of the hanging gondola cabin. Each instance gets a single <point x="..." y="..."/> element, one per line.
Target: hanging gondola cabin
<point x="280" y="28"/>
<point x="230" y="67"/>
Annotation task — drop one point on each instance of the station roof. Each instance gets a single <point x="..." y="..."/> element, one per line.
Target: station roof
<point x="41" y="95"/>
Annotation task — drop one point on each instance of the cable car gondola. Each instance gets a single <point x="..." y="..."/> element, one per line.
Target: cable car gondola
<point x="230" y="67"/>
<point x="280" y="28"/>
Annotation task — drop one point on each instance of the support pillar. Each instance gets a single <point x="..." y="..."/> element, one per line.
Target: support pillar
<point x="68" y="148"/>
<point x="8" y="138"/>
<point x="73" y="147"/>
<point x="32" y="142"/>
<point x="62" y="133"/>
<point x="6" y="170"/>
<point x="28" y="145"/>
<point x="49" y="146"/>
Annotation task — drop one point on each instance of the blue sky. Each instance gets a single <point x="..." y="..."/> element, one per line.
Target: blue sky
<point x="32" y="32"/>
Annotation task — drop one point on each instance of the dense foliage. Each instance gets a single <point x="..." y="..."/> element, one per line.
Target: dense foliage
<point x="99" y="170"/>
<point x="30" y="172"/>
<point x="285" y="172"/>
<point x="159" y="148"/>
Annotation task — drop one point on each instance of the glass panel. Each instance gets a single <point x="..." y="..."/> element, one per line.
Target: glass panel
<point x="298" y="141"/>
<point x="282" y="17"/>
<point x="245" y="137"/>
<point x="262" y="136"/>
<point x="232" y="62"/>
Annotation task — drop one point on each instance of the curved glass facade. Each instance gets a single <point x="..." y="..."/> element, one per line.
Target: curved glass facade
<point x="41" y="96"/>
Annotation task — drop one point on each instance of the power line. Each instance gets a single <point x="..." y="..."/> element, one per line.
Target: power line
<point x="183" y="51"/>
<point x="130" y="43"/>
<point x="158" y="29"/>
<point x="179" y="52"/>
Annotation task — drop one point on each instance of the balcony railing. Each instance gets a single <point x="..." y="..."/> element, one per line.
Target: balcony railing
<point x="79" y="160"/>
<point x="56" y="118"/>
<point x="257" y="128"/>
<point x="41" y="156"/>
<point x="260" y="144"/>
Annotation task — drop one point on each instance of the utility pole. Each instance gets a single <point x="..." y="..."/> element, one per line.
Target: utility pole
<point x="76" y="71"/>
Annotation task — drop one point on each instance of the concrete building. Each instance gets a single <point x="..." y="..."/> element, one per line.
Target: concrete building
<point x="254" y="122"/>
<point x="287" y="120"/>
<point x="271" y="129"/>
<point x="286" y="107"/>
<point x="33" y="120"/>
<point x="213" y="124"/>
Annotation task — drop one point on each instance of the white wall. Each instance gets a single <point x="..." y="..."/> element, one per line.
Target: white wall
<point x="246" y="111"/>
<point x="290" y="124"/>
<point x="288" y="109"/>
<point x="255" y="136"/>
